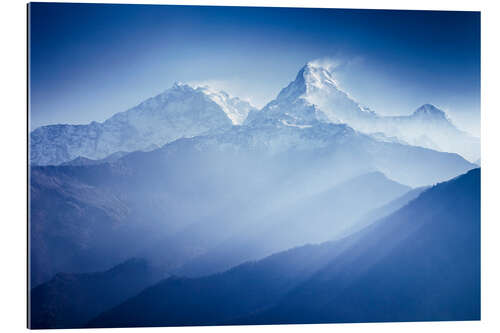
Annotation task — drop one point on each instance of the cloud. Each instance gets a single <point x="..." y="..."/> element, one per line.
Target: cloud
<point x="336" y="63"/>
<point x="328" y="63"/>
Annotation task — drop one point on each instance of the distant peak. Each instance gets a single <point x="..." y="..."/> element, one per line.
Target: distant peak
<point x="429" y="110"/>
<point x="429" y="107"/>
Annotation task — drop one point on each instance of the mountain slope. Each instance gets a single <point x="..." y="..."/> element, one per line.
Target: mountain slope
<point x="384" y="210"/>
<point x="419" y="263"/>
<point x="312" y="219"/>
<point x="235" y="108"/>
<point x="249" y="287"/>
<point x="409" y="165"/>
<point x="70" y="300"/>
<point x="181" y="111"/>
<point x="145" y="197"/>
<point x="70" y="222"/>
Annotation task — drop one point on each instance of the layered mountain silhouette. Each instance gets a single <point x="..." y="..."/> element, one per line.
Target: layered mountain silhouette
<point x="272" y="161"/>
<point x="420" y="263"/>
<point x="232" y="178"/>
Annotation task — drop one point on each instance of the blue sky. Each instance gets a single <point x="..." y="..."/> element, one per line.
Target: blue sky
<point x="90" y="61"/>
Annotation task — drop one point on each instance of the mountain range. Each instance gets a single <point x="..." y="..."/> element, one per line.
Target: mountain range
<point x="184" y="112"/>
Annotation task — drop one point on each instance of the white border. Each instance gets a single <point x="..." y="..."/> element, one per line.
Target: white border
<point x="13" y="166"/>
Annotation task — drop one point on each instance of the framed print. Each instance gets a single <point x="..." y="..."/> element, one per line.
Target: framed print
<point x="215" y="165"/>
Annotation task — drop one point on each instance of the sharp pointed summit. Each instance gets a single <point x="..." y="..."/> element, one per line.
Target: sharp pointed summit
<point x="309" y="79"/>
<point x="313" y="96"/>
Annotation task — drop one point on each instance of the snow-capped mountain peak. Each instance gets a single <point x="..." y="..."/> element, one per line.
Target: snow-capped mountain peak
<point x="234" y="108"/>
<point x="181" y="111"/>
<point x="309" y="79"/>
<point x="313" y="96"/>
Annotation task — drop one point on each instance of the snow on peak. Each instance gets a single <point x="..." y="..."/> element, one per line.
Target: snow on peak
<point x="236" y="109"/>
<point x="309" y="79"/>
<point x="430" y="110"/>
<point x="317" y="77"/>
<point x="313" y="96"/>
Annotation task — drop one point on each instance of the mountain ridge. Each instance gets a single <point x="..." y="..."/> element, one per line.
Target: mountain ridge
<point x="184" y="111"/>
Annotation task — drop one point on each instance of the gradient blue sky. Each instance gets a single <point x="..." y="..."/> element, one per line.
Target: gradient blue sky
<point x="88" y="61"/>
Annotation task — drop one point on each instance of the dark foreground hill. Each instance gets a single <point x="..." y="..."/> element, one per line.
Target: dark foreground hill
<point x="420" y="263"/>
<point x="70" y="300"/>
